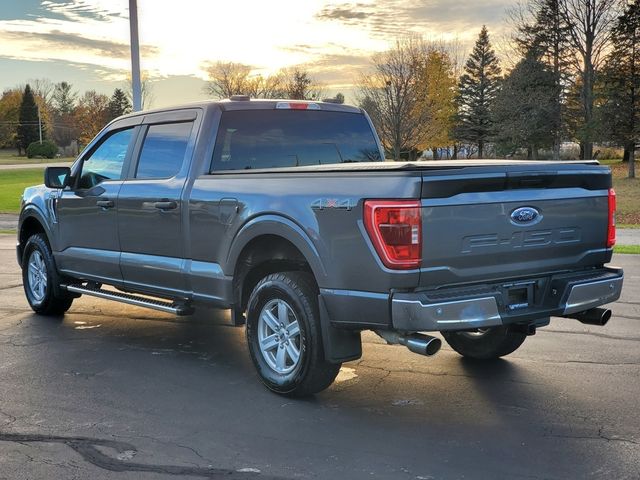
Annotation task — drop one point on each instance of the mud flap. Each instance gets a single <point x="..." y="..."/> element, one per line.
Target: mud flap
<point x="340" y="345"/>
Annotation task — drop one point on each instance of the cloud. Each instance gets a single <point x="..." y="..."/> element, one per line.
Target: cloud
<point x="394" y="18"/>
<point x="58" y="40"/>
<point x="84" y="9"/>
<point x="344" y="12"/>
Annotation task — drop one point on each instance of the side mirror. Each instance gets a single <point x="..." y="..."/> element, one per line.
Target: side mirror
<point x="57" y="177"/>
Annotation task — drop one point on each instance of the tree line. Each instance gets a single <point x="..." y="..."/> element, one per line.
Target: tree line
<point x="293" y="83"/>
<point x="572" y="76"/>
<point x="57" y="114"/>
<point x="575" y="78"/>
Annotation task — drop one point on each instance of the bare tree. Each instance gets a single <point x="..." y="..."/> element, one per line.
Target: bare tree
<point x="43" y="88"/>
<point x="390" y="95"/>
<point x="589" y="25"/>
<point x="228" y="78"/>
<point x="146" y="90"/>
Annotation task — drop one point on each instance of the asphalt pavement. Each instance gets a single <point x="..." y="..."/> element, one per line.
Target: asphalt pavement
<point x="118" y="392"/>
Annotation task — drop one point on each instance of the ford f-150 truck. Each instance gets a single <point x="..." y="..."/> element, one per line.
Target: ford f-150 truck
<point x="286" y="213"/>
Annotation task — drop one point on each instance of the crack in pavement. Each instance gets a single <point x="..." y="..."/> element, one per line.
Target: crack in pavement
<point x="599" y="436"/>
<point x="168" y="442"/>
<point x="88" y="449"/>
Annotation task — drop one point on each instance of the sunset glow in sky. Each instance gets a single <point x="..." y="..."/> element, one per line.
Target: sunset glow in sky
<point x="86" y="41"/>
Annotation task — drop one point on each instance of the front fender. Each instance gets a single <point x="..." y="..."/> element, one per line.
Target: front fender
<point x="38" y="211"/>
<point x="281" y="227"/>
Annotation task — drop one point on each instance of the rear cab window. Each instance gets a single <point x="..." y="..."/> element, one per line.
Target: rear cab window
<point x="163" y="150"/>
<point x="258" y="139"/>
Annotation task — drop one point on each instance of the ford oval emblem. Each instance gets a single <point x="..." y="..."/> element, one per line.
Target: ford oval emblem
<point x="525" y="216"/>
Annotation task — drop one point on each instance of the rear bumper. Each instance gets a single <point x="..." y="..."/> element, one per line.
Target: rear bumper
<point x="502" y="304"/>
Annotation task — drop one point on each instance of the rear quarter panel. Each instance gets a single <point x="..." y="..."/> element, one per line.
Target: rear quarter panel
<point x="326" y="207"/>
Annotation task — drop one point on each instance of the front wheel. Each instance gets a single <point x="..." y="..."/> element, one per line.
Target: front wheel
<point x="485" y="343"/>
<point x="39" y="276"/>
<point x="284" y="335"/>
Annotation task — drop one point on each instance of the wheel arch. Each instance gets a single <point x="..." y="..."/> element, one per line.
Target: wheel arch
<point x="270" y="244"/>
<point x="31" y="223"/>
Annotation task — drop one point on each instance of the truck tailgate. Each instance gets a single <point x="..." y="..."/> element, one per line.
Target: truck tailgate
<point x="487" y="223"/>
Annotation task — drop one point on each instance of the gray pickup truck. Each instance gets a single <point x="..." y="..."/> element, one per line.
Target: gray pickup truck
<point x="287" y="214"/>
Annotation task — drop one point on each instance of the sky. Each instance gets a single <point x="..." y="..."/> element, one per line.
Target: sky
<point x="86" y="42"/>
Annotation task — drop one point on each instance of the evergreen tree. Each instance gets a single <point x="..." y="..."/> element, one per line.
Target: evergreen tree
<point x="64" y="103"/>
<point x="525" y="107"/>
<point x="476" y="92"/>
<point x="118" y="104"/>
<point x="621" y="109"/>
<point x="548" y="35"/>
<point x="299" y="86"/>
<point x="64" y="100"/>
<point x="28" y="118"/>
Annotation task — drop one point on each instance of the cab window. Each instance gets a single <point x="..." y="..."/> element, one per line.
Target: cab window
<point x="255" y="139"/>
<point x="106" y="161"/>
<point x="163" y="150"/>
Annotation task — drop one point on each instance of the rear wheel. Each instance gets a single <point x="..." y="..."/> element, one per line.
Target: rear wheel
<point x="485" y="343"/>
<point x="39" y="277"/>
<point x="284" y="336"/>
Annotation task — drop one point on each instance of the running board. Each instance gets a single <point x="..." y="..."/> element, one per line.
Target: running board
<point x="139" y="301"/>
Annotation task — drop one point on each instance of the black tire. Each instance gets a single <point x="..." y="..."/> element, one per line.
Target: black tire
<point x="312" y="373"/>
<point x="49" y="300"/>
<point x="488" y="344"/>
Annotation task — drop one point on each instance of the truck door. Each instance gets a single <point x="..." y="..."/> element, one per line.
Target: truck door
<point x="87" y="211"/>
<point x="150" y="209"/>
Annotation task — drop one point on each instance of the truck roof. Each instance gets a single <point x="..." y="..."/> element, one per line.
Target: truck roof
<point x="249" y="104"/>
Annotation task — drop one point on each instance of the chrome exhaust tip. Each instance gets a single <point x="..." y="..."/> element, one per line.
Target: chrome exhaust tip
<point x="594" y="316"/>
<point x="421" y="344"/>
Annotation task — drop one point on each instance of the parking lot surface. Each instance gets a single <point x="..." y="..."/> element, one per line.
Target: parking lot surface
<point x="111" y="391"/>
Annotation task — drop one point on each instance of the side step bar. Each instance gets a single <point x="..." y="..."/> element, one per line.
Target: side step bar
<point x="167" y="307"/>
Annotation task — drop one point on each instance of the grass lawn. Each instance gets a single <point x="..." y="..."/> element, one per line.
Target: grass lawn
<point x="635" y="249"/>
<point x="13" y="183"/>
<point x="627" y="194"/>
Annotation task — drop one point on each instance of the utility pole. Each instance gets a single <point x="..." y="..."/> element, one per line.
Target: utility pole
<point x="135" y="56"/>
<point x="39" y="124"/>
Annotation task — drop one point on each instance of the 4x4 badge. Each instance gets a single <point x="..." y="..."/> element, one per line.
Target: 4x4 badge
<point x="334" y="203"/>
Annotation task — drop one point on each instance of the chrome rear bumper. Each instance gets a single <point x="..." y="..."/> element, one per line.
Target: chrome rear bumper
<point x="557" y="296"/>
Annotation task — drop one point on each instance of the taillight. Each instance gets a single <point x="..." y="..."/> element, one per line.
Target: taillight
<point x="395" y="229"/>
<point x="611" y="229"/>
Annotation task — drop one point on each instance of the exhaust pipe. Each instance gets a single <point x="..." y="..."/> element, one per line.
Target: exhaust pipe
<point x="421" y="344"/>
<point x="594" y="316"/>
<point x="415" y="342"/>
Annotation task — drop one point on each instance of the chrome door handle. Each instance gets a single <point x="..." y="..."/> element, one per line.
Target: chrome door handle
<point x="105" y="203"/>
<point x="170" y="205"/>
